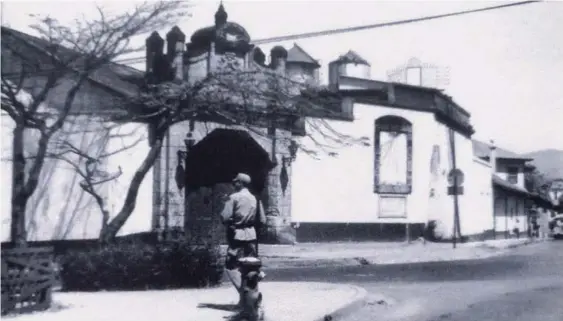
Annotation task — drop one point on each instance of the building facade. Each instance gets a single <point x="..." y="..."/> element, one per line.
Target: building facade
<point x="373" y="166"/>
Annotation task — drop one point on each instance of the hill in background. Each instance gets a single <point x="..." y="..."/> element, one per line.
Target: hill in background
<point x="549" y="162"/>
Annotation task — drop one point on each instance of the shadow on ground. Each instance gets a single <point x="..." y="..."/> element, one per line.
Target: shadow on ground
<point x="215" y="306"/>
<point x="236" y="316"/>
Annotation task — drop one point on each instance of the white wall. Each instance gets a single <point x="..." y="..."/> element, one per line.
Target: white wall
<point x="475" y="205"/>
<point x="355" y="70"/>
<point x="59" y="208"/>
<point x="502" y="172"/>
<point x="510" y="212"/>
<point x="129" y="160"/>
<point x="340" y="188"/>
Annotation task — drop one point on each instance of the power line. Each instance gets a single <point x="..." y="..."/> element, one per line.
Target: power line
<point x="358" y="28"/>
<point x="384" y="24"/>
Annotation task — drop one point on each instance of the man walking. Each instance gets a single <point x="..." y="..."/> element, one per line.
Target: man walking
<point x="240" y="217"/>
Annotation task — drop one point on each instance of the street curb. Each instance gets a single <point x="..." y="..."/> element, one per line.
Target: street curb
<point x="293" y="263"/>
<point x="357" y="302"/>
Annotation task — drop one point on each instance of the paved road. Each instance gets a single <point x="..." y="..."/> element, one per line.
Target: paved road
<point x="526" y="285"/>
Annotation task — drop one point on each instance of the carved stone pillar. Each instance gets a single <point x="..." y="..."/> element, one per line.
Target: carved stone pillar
<point x="277" y="198"/>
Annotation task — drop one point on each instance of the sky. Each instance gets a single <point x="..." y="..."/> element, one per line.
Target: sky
<point x="506" y="66"/>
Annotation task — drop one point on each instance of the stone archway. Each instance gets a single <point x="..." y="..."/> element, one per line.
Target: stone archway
<point x="210" y="165"/>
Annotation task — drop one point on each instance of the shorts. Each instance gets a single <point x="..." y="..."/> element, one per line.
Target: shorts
<point x="239" y="249"/>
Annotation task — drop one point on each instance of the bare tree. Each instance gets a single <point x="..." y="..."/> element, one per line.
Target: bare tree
<point x="90" y="167"/>
<point x="69" y="57"/>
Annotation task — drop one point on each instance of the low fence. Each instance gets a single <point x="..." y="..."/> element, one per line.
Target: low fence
<point x="28" y="276"/>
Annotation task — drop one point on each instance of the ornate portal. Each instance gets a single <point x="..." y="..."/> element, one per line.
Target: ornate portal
<point x="393" y="156"/>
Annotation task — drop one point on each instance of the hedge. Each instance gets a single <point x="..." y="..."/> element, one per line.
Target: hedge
<point x="139" y="266"/>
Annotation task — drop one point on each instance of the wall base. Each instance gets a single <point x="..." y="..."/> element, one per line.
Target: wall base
<point x="277" y="231"/>
<point x="358" y="232"/>
<point x="487" y="235"/>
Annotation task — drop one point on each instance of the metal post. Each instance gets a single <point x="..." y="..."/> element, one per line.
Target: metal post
<point x="506" y="217"/>
<point x="495" y="198"/>
<point x="166" y="209"/>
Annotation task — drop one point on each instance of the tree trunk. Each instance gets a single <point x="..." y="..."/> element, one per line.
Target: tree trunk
<point x="18" y="233"/>
<point x="109" y="233"/>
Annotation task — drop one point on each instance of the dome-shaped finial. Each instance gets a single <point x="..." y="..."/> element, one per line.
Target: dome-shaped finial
<point x="221" y="15"/>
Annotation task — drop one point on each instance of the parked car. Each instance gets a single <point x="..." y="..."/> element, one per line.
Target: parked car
<point x="556" y="226"/>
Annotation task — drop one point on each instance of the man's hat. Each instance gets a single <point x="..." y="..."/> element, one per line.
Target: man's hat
<point x="243" y="178"/>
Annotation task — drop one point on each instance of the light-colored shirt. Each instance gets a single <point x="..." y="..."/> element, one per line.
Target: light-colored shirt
<point x="240" y="212"/>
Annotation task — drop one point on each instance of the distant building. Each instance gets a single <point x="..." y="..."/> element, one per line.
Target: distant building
<point x="556" y="193"/>
<point x="510" y="197"/>
<point x="417" y="73"/>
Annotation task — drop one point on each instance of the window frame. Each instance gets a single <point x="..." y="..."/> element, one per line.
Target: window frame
<point x="512" y="174"/>
<point x="391" y="123"/>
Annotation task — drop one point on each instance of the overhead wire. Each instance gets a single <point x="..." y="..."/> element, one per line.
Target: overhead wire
<point x="359" y="28"/>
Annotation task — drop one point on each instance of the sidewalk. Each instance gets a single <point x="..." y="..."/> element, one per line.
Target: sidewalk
<point x="366" y="253"/>
<point x="293" y="301"/>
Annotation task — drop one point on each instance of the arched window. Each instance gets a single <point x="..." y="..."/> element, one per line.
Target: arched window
<point x="393" y="155"/>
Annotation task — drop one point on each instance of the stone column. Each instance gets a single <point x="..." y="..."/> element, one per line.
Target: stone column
<point x="278" y="193"/>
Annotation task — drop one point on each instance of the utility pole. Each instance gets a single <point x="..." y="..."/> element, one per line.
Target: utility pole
<point x="455" y="184"/>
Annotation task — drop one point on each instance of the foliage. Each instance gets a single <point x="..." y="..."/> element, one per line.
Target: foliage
<point x="141" y="266"/>
<point x="536" y="182"/>
<point x="436" y="231"/>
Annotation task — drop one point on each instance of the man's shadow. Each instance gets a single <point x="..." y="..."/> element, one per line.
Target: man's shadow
<point x="216" y="306"/>
<point x="236" y="316"/>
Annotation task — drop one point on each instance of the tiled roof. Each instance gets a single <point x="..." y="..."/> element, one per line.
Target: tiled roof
<point x="537" y="198"/>
<point x="298" y="55"/>
<point x="482" y="150"/>
<point x="115" y="77"/>
<point x="352" y="57"/>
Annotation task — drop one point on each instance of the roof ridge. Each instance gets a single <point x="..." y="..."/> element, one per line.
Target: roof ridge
<point x="353" y="56"/>
<point x="305" y="53"/>
<point x="22" y="37"/>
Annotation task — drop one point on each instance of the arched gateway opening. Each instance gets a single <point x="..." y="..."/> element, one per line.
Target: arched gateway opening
<point x="210" y="166"/>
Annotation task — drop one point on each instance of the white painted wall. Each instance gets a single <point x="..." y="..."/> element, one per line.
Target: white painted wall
<point x="502" y="172"/>
<point x="355" y="70"/>
<point x="59" y="208"/>
<point x="340" y="188"/>
<point x="510" y="213"/>
<point x="475" y="205"/>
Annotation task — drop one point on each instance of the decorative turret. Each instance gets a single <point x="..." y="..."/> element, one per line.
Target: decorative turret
<point x="175" y="40"/>
<point x="154" y="46"/>
<point x="352" y="64"/>
<point x="259" y="57"/>
<point x="278" y="56"/>
<point x="300" y="65"/>
<point x="221" y="16"/>
<point x="225" y="35"/>
<point x="157" y="65"/>
<point x="223" y="45"/>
